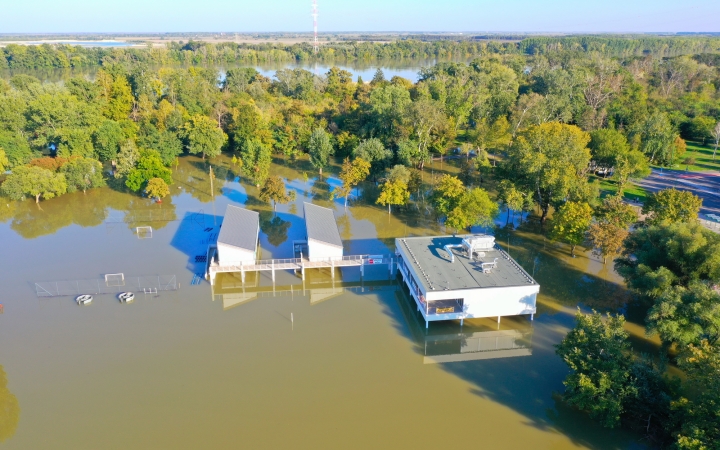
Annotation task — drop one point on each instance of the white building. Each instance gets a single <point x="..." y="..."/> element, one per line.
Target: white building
<point x="323" y="237"/>
<point x="238" y="239"/>
<point x="456" y="278"/>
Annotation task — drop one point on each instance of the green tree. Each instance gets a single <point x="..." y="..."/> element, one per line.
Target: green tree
<point x="149" y="166"/>
<point x="107" y="140"/>
<point x="686" y="315"/>
<point x="551" y="161"/>
<point x="672" y="205"/>
<point x="128" y="156"/>
<point x="447" y="194"/>
<point x="607" y="234"/>
<point x="699" y="418"/>
<point x="34" y="181"/>
<point x="511" y="196"/>
<point x="274" y="190"/>
<point x="256" y="158"/>
<point x="399" y="173"/>
<point x="570" y="223"/>
<point x="157" y="188"/>
<point x="351" y="174"/>
<point x="121" y="100"/>
<point x="474" y="208"/>
<point x="374" y="152"/>
<point x="4" y="161"/>
<point x="606" y="239"/>
<point x="388" y="104"/>
<point x="412" y="154"/>
<point x="657" y="139"/>
<point x="656" y="257"/>
<point x="320" y="149"/>
<point x="16" y="148"/>
<point x="716" y="138"/>
<point x="614" y="210"/>
<point x="599" y="381"/>
<point x="393" y="193"/>
<point x="202" y="135"/>
<point x="83" y="174"/>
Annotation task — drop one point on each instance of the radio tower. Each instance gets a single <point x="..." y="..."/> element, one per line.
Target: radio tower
<point x="315" y="16"/>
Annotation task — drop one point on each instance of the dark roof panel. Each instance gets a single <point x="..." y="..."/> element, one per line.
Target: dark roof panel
<point x="321" y="225"/>
<point x="240" y="228"/>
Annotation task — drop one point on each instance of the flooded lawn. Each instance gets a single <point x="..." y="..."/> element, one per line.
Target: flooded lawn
<point x="324" y="362"/>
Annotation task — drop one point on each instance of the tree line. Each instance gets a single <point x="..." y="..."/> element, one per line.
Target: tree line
<point x="60" y="56"/>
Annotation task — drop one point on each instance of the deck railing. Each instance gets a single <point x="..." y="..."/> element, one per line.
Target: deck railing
<point x="294" y="262"/>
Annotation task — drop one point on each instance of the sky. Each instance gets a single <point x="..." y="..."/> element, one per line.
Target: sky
<point x="139" y="16"/>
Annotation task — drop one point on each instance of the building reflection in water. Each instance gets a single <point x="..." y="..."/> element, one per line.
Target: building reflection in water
<point x="232" y="292"/>
<point x="443" y="342"/>
<point x="477" y="339"/>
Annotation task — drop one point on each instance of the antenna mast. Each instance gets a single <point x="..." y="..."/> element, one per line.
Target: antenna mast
<point x="315" y="16"/>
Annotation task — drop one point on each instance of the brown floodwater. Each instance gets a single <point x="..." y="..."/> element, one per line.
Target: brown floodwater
<point x="327" y="362"/>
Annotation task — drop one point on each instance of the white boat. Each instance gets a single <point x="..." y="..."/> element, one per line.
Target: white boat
<point x="84" y="299"/>
<point x="126" y="297"/>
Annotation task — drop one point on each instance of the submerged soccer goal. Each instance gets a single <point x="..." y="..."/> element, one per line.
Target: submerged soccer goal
<point x="144" y="232"/>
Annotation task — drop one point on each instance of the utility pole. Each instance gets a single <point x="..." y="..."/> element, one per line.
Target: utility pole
<point x="315" y="28"/>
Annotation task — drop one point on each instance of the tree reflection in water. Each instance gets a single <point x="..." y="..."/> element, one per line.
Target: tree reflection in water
<point x="9" y="409"/>
<point x="275" y="228"/>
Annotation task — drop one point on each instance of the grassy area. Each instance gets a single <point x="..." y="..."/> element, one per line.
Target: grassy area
<point x="632" y="191"/>
<point x="702" y="154"/>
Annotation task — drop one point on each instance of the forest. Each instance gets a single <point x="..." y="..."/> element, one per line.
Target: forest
<point x="560" y="127"/>
<point x="62" y="56"/>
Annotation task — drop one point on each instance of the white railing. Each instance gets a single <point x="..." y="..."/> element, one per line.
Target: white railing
<point x="298" y="262"/>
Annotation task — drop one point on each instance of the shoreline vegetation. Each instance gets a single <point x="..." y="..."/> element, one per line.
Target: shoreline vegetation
<point x="528" y="125"/>
<point x="200" y="52"/>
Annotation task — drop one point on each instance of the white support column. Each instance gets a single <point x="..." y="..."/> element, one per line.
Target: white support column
<point x="272" y="265"/>
<point x="212" y="275"/>
<point x="332" y="268"/>
<point x="242" y="274"/>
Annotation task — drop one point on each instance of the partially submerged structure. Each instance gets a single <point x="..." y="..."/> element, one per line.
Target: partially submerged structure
<point x="238" y="239"/>
<point x="323" y="237"/>
<point x="449" y="342"/>
<point x="457" y="278"/>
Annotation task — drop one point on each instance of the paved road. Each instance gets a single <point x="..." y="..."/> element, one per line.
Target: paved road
<point x="705" y="185"/>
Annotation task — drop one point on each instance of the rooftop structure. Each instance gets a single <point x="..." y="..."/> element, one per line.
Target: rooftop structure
<point x="464" y="277"/>
<point x="443" y="264"/>
<point x="323" y="237"/>
<point x="238" y="238"/>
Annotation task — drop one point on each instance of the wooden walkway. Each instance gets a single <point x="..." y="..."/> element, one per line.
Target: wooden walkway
<point x="297" y="264"/>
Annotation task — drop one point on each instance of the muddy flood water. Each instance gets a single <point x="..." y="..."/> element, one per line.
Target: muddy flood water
<point x="328" y="362"/>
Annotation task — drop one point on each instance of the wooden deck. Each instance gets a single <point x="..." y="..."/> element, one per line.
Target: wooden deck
<point x="296" y="264"/>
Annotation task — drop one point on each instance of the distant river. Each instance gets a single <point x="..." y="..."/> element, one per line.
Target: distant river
<point x="81" y="43"/>
<point x="406" y="68"/>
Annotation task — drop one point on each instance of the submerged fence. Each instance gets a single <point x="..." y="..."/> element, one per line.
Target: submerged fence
<point x="148" y="284"/>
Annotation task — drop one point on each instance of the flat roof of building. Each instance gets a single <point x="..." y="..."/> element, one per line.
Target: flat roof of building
<point x="321" y="225"/>
<point x="431" y="262"/>
<point x="240" y="228"/>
